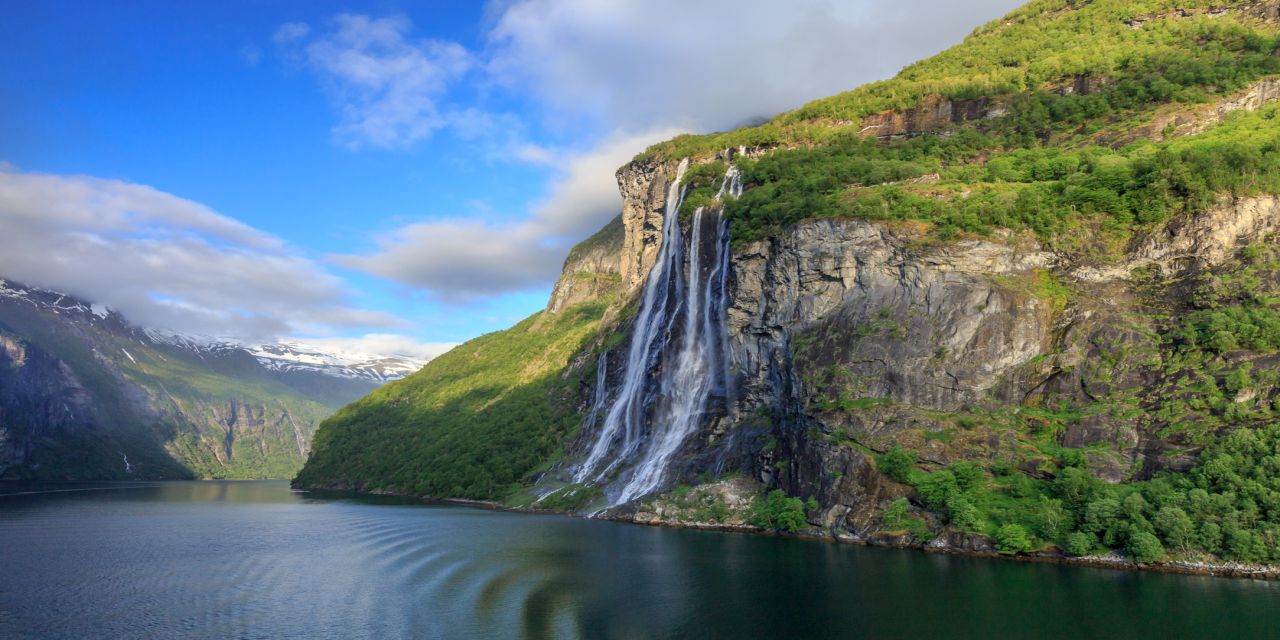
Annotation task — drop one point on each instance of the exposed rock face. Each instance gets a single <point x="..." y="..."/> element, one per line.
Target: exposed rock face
<point x="934" y="113"/>
<point x="928" y="326"/>
<point x="39" y="396"/>
<point x="592" y="269"/>
<point x="853" y="332"/>
<point x="644" y="191"/>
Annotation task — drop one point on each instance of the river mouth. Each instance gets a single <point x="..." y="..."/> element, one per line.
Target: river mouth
<point x="255" y="559"/>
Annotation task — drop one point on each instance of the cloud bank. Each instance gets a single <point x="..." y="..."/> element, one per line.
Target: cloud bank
<point x="164" y="261"/>
<point x="460" y="260"/>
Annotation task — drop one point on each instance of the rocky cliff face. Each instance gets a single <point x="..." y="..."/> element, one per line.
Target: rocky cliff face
<point x="848" y="337"/>
<point x="39" y="397"/>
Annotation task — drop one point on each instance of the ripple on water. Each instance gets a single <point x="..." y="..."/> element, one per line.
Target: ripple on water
<point x="238" y="560"/>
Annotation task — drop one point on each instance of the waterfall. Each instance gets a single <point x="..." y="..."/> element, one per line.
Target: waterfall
<point x="625" y="414"/>
<point x="675" y="362"/>
<point x="597" y="400"/>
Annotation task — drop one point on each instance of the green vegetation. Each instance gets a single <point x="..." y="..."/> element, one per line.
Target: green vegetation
<point x="1053" y="160"/>
<point x="1044" y="45"/>
<point x="697" y="504"/>
<point x="473" y="423"/>
<point x="1012" y="538"/>
<point x="777" y="512"/>
<point x="980" y="186"/>
<point x="897" y="517"/>
<point x="701" y="183"/>
<point x="1227" y="507"/>
<point x="1256" y="328"/>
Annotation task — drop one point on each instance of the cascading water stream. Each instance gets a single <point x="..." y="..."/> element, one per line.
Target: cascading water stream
<point x="687" y="386"/>
<point x="679" y="334"/>
<point x="625" y="414"/>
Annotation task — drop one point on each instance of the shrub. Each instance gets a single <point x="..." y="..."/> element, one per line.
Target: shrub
<point x="964" y="516"/>
<point x="1079" y="543"/>
<point x="968" y="475"/>
<point x="897" y="463"/>
<point x="1012" y="539"/>
<point x="778" y="512"/>
<point x="1144" y="547"/>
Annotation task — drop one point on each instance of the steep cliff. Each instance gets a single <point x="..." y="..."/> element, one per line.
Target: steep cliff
<point x="1022" y="295"/>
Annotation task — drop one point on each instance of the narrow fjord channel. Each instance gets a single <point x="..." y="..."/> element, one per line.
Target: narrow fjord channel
<point x="255" y="560"/>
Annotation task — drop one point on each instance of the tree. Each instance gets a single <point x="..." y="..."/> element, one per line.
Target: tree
<point x="1012" y="539"/>
<point x="895" y="514"/>
<point x="1101" y="514"/>
<point x="937" y="488"/>
<point x="1076" y="487"/>
<point x="1080" y="543"/>
<point x="969" y="476"/>
<point x="1051" y="518"/>
<point x="1176" y="527"/>
<point x="779" y="512"/>
<point x="1144" y="547"/>
<point x="964" y="516"/>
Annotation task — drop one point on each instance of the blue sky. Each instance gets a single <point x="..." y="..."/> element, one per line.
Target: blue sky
<point x="397" y="169"/>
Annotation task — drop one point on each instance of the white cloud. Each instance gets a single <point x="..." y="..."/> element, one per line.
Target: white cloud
<point x="463" y="259"/>
<point x="380" y="344"/>
<point x="653" y="66"/>
<point x="164" y="261"/>
<point x="385" y="85"/>
<point x="712" y="65"/>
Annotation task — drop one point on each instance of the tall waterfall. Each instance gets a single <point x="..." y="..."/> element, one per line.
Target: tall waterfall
<point x="675" y="362"/>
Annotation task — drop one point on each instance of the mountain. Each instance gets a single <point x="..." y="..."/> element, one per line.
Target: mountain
<point x="84" y="394"/>
<point x="1024" y="297"/>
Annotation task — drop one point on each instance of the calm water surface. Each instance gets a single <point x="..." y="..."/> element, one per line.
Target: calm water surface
<point x="254" y="560"/>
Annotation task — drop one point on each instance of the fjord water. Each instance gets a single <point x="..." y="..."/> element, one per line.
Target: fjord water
<point x="254" y="560"/>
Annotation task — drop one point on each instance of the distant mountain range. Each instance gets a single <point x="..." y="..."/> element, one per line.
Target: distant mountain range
<point x="86" y="394"/>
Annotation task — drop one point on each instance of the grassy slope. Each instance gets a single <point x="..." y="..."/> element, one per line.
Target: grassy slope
<point x="1035" y="47"/>
<point x="472" y="423"/>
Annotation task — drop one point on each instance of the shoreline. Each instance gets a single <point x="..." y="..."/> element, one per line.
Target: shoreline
<point x="939" y="545"/>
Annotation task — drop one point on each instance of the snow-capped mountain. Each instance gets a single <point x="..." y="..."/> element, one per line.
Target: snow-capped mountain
<point x="294" y="356"/>
<point x="298" y="356"/>
<point x="53" y="301"/>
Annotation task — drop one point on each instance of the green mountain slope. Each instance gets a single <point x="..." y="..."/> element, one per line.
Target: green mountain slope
<point x="1084" y="139"/>
<point x="471" y="424"/>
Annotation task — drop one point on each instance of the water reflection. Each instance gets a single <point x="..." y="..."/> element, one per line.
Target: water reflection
<point x="238" y="559"/>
